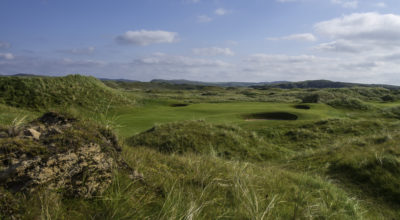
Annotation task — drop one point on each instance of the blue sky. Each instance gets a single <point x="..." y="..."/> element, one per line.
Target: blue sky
<point x="207" y="40"/>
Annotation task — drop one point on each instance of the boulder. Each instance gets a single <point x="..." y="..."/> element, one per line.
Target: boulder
<point x="58" y="153"/>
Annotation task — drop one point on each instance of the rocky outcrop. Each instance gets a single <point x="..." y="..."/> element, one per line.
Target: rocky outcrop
<point x="82" y="173"/>
<point x="60" y="153"/>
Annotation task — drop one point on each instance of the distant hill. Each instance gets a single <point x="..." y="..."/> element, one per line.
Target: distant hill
<point x="319" y="84"/>
<point x="223" y="84"/>
<point x="308" y="84"/>
<point x="23" y="75"/>
<point x="118" y="80"/>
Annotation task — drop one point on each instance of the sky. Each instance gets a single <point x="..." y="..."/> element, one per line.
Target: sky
<point x="204" y="40"/>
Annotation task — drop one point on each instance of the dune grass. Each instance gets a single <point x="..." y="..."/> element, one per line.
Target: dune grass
<point x="199" y="158"/>
<point x="40" y="93"/>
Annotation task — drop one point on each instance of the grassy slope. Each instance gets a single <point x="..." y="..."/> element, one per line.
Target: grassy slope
<point x="49" y="92"/>
<point x="226" y="141"/>
<point x="330" y="155"/>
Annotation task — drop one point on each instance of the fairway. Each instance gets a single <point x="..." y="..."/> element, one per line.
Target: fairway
<point x="134" y="120"/>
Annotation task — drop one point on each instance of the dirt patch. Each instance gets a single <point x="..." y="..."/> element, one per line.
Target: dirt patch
<point x="271" y="116"/>
<point x="306" y="107"/>
<point x="178" y="105"/>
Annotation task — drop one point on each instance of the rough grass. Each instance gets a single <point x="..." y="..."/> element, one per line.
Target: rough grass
<point x="349" y="103"/>
<point x="337" y="161"/>
<point x="49" y="92"/>
<point x="392" y="112"/>
<point x="203" y="187"/>
<point x="217" y="188"/>
<point x="365" y="159"/>
<point x="230" y="142"/>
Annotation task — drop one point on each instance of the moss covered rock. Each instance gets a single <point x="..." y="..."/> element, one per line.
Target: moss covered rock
<point x="59" y="153"/>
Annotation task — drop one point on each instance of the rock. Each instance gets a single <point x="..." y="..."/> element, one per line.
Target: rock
<point x="60" y="154"/>
<point x="33" y="133"/>
<point x="83" y="173"/>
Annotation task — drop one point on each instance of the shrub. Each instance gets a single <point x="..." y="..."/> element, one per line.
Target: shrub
<point x="313" y="98"/>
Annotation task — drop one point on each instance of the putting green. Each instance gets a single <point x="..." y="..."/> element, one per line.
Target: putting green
<point x="138" y="119"/>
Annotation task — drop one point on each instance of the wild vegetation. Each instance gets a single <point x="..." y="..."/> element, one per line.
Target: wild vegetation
<point x="182" y="151"/>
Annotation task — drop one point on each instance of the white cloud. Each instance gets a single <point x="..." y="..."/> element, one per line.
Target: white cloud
<point x="267" y="59"/>
<point x="346" y="3"/>
<point x="221" y="11"/>
<point x="362" y="25"/>
<point x="145" y="37"/>
<point x="361" y="32"/>
<point x="4" y="45"/>
<point x="82" y="63"/>
<point x="165" y="59"/>
<point x="213" y="51"/>
<point x="6" y="56"/>
<point x="203" y="19"/>
<point x="341" y="46"/>
<point x="298" y="37"/>
<point x="294" y="68"/>
<point x="257" y="67"/>
<point x="79" y="51"/>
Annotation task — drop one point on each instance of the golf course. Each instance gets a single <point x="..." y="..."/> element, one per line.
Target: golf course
<point x="157" y="150"/>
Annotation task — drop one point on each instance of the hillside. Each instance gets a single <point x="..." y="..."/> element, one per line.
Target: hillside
<point x="37" y="92"/>
<point x="223" y="84"/>
<point x="319" y="84"/>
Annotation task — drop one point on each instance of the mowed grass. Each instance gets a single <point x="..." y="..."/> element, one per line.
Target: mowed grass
<point x="141" y="118"/>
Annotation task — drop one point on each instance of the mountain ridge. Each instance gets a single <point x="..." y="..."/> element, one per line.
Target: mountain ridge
<point x="306" y="84"/>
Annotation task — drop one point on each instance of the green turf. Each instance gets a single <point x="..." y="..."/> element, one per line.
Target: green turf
<point x="134" y="120"/>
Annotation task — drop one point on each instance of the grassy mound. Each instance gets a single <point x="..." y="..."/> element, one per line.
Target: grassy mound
<point x="392" y="112"/>
<point x="349" y="103"/>
<point x="374" y="94"/>
<point x="203" y="187"/>
<point x="46" y="92"/>
<point x="204" y="138"/>
<point x="376" y="170"/>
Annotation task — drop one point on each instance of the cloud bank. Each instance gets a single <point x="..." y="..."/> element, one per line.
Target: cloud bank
<point x="145" y="37"/>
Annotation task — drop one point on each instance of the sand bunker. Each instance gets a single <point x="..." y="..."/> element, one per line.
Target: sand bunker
<point x="270" y="116"/>
<point x="302" y="107"/>
<point x="178" y="105"/>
